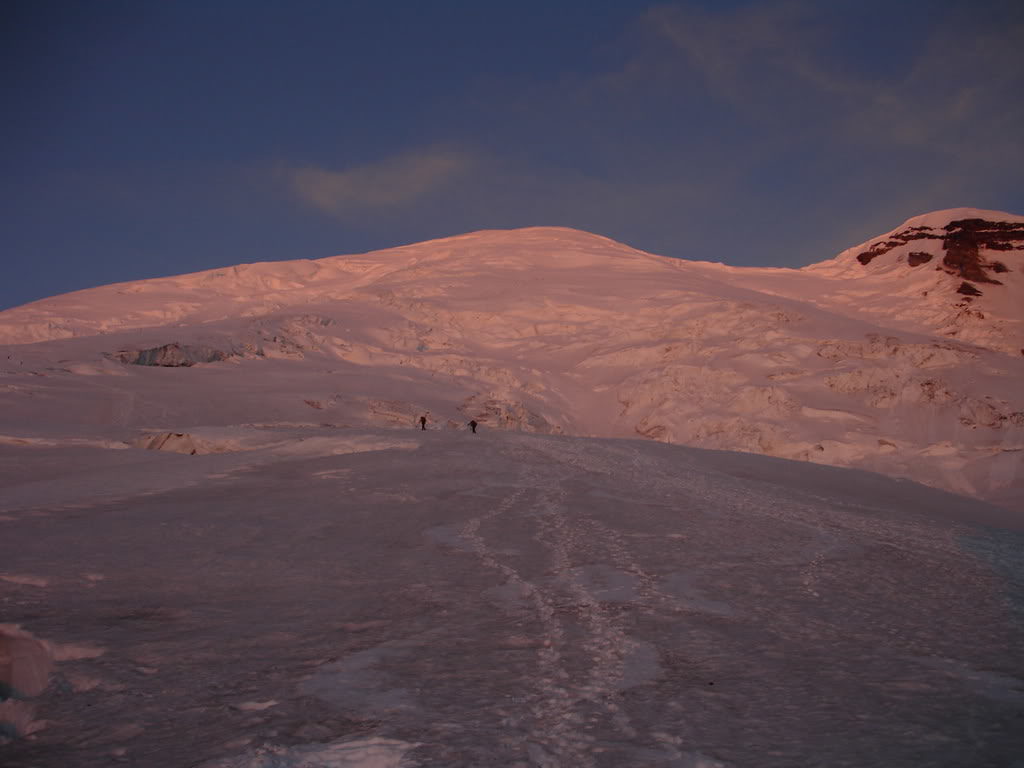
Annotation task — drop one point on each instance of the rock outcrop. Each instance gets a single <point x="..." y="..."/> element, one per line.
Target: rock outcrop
<point x="172" y="355"/>
<point x="962" y="241"/>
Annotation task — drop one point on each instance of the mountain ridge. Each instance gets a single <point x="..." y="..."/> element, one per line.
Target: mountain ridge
<point x="519" y="329"/>
<point x="55" y="317"/>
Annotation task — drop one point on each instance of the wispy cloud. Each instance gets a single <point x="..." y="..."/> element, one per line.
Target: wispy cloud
<point x="765" y="112"/>
<point x="773" y="62"/>
<point x="738" y="50"/>
<point x="866" y="113"/>
<point x="955" y="99"/>
<point x="388" y="184"/>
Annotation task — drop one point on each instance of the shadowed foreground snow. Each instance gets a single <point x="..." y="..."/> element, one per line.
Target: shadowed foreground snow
<point x="397" y="598"/>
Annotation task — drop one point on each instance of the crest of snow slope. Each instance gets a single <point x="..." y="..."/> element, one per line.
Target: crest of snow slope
<point x="546" y="330"/>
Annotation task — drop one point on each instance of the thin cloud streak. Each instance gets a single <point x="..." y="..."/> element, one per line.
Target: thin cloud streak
<point x="767" y="39"/>
<point x="393" y="182"/>
<point x="702" y="115"/>
<point x="769" y="63"/>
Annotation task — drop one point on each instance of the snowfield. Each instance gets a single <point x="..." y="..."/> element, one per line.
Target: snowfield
<point x="441" y="598"/>
<point x="862" y="361"/>
<point x="691" y="531"/>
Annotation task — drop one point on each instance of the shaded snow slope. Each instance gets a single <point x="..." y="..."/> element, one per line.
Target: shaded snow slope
<point x="328" y="597"/>
<point x="552" y="330"/>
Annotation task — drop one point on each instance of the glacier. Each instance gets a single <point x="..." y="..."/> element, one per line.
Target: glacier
<point x="713" y="516"/>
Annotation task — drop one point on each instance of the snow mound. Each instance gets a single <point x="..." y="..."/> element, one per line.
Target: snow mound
<point x="939" y="219"/>
<point x="26" y="663"/>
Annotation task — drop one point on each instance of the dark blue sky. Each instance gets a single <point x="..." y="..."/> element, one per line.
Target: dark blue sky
<point x="151" y="138"/>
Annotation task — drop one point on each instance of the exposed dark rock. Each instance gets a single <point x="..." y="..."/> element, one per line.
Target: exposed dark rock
<point x="962" y="259"/>
<point x="935" y="391"/>
<point x="1003" y="229"/>
<point x="915" y="233"/>
<point x="968" y="290"/>
<point x="962" y="240"/>
<point x="874" y="251"/>
<point x="900" y="238"/>
<point x="171" y="356"/>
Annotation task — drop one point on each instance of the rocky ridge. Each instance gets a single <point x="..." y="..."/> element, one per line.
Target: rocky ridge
<point x="963" y="241"/>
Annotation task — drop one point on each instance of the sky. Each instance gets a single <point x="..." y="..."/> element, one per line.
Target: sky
<point x="142" y="139"/>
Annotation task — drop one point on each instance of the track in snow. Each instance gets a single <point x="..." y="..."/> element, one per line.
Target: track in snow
<point x="515" y="600"/>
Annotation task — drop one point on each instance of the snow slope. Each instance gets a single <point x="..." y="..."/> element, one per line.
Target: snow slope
<point x="225" y="543"/>
<point x="325" y="598"/>
<point x="878" y="365"/>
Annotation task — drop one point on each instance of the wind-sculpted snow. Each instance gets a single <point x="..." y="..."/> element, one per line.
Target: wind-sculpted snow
<point x="504" y="599"/>
<point x="554" y="331"/>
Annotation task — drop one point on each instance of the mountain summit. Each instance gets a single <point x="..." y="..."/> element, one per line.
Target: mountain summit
<point x="901" y="355"/>
<point x="958" y="273"/>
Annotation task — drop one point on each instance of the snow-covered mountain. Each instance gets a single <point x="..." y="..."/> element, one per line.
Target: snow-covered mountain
<point x="225" y="542"/>
<point x="901" y="355"/>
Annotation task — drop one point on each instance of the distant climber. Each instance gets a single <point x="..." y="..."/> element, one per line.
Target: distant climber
<point x="423" y="423"/>
<point x="472" y="425"/>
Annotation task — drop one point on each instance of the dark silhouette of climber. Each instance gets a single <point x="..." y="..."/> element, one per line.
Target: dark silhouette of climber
<point x="472" y="425"/>
<point x="423" y="423"/>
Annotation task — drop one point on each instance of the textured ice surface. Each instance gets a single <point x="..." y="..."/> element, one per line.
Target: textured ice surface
<point x="508" y="600"/>
<point x="358" y="753"/>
